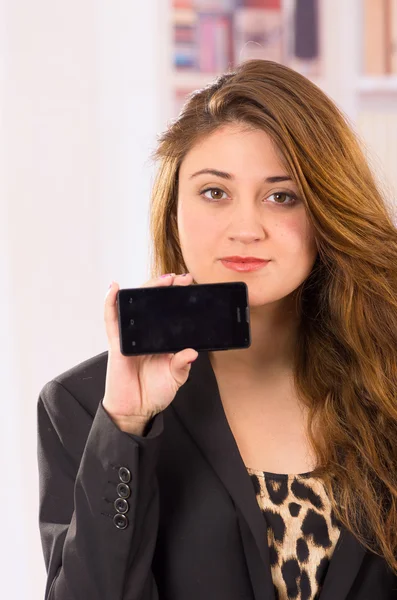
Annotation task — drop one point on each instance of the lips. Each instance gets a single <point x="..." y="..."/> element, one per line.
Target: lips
<point x="245" y="259"/>
<point x="244" y="266"/>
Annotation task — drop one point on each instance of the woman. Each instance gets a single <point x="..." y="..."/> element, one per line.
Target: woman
<point x="267" y="472"/>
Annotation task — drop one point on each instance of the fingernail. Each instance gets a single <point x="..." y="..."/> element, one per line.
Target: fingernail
<point x="167" y="275"/>
<point x="110" y="285"/>
<point x="183" y="274"/>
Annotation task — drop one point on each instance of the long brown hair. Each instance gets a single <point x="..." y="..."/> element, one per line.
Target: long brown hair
<point x="346" y="356"/>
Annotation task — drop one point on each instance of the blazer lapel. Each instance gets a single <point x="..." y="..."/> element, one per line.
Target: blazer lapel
<point x="344" y="566"/>
<point x="199" y="406"/>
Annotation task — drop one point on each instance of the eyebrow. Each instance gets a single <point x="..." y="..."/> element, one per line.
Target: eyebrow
<point x="224" y="175"/>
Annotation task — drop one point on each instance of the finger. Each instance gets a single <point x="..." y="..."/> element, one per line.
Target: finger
<point x="164" y="280"/>
<point x="181" y="363"/>
<point x="170" y="279"/>
<point x="183" y="279"/>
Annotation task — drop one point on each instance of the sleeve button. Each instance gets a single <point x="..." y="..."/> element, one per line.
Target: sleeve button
<point x="120" y="521"/>
<point x="124" y="475"/>
<point x="123" y="490"/>
<point x="121" y="505"/>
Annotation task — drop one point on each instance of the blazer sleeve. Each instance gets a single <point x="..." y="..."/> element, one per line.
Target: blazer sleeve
<point x="79" y="458"/>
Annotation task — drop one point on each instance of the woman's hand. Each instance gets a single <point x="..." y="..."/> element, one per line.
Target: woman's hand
<point x="139" y="387"/>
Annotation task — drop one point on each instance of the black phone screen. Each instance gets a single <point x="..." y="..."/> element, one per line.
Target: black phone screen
<point x="210" y="316"/>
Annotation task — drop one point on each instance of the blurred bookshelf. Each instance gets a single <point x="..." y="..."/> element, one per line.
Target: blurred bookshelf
<point x="211" y="36"/>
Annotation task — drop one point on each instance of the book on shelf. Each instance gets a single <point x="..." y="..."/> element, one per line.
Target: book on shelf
<point x="185" y="42"/>
<point x="269" y="4"/>
<point x="214" y="6"/>
<point x="393" y="37"/>
<point x="215" y="42"/>
<point x="380" y="37"/>
<point x="182" y="4"/>
<point x="306" y="29"/>
<point x="225" y="5"/>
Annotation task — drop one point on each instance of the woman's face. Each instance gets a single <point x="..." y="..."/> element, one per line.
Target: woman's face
<point x="243" y="214"/>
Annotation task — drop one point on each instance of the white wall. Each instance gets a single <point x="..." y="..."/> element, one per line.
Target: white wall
<point x="80" y="106"/>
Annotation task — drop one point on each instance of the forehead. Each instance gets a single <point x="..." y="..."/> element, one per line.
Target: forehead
<point x="233" y="148"/>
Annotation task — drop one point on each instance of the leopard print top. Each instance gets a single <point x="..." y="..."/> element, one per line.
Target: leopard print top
<point x="302" y="531"/>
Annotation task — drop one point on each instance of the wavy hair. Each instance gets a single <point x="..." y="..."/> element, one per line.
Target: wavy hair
<point x="346" y="355"/>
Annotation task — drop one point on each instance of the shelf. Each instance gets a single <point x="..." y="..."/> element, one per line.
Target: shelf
<point x="378" y="84"/>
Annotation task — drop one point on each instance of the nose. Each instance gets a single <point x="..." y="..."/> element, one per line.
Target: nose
<point x="246" y="224"/>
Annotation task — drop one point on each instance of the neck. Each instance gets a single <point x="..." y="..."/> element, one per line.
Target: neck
<point x="273" y="341"/>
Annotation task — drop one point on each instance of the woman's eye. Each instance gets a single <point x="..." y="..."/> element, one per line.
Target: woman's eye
<point x="281" y="195"/>
<point x="215" y="193"/>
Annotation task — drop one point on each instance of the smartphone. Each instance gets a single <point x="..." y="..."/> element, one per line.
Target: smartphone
<point x="209" y="316"/>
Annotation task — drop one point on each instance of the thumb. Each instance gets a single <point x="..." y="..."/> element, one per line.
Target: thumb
<point x="181" y="363"/>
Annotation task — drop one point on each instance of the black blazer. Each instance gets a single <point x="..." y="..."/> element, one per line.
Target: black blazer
<point x="193" y="530"/>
